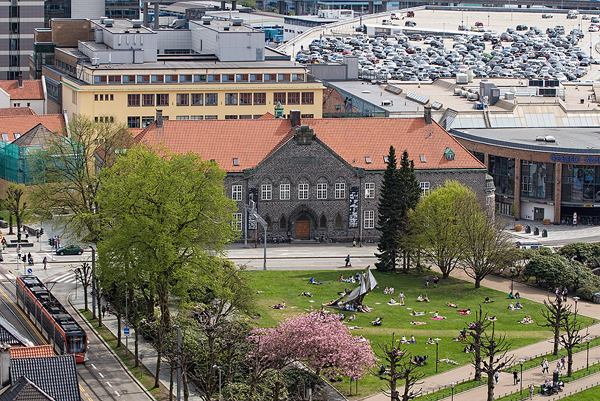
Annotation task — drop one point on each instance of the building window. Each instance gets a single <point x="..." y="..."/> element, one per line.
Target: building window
<point x="308" y="98"/>
<point x="302" y="191"/>
<point x="246" y="117"/>
<point x="133" y="100"/>
<point x="369" y="219"/>
<point x="171" y="78"/>
<point x="102" y="97"/>
<point x="148" y="99"/>
<point x="197" y="99"/>
<point x="279" y="97"/>
<point x="185" y="78"/>
<point x="211" y="117"/>
<point x="269" y="78"/>
<point x="199" y="78"/>
<point x="236" y="192"/>
<point x="241" y="78"/>
<point x="245" y="99"/>
<point x="298" y="77"/>
<point x="196" y="117"/>
<point x="183" y="99"/>
<point x="228" y="77"/>
<point x="284" y="191"/>
<point x="96" y="98"/>
<point x="294" y="98"/>
<point x="231" y="117"/>
<point x="424" y="188"/>
<point x="255" y="77"/>
<point x="237" y="221"/>
<point x="266" y="192"/>
<point x="182" y="117"/>
<point x="370" y="190"/>
<point x="146" y="121"/>
<point x="100" y="79"/>
<point x="526" y="184"/>
<point x="307" y="116"/>
<point x="282" y="223"/>
<point x="214" y="78"/>
<point x="231" y="99"/>
<point x="340" y="190"/>
<point x="162" y="99"/>
<point x="260" y="98"/>
<point x="112" y="96"/>
<point x="269" y="224"/>
<point x="128" y="79"/>
<point x="322" y="191"/>
<point x="211" y="99"/>
<point x="283" y="77"/>
<point x="133" y="122"/>
<point x="158" y="79"/>
<point x="338" y="222"/>
<point x="143" y="79"/>
<point x="114" y="79"/>
<point x="323" y="222"/>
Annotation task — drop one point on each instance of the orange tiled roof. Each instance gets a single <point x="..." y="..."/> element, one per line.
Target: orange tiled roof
<point x="354" y="139"/>
<point x="31" y="90"/>
<point x="31" y="352"/>
<point x="22" y="124"/>
<point x="266" y="116"/>
<point x="17" y="111"/>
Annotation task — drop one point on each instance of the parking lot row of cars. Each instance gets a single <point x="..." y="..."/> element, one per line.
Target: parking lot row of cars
<point x="524" y="53"/>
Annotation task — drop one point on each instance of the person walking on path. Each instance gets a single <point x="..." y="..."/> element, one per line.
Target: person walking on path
<point x="427" y="282"/>
<point x="545" y="366"/>
<point x="354" y="241"/>
<point x="515" y="378"/>
<point x="435" y="281"/>
<point x="562" y="363"/>
<point x="103" y="311"/>
<point x="496" y="376"/>
<point x="531" y="391"/>
<point x="565" y="294"/>
<point x="45" y="261"/>
<point x="348" y="261"/>
<point x="401" y="298"/>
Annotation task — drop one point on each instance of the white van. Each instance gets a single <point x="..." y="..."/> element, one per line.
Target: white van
<point x="527" y="244"/>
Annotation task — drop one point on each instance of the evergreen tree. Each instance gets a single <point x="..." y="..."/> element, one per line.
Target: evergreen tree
<point x="388" y="220"/>
<point x="408" y="197"/>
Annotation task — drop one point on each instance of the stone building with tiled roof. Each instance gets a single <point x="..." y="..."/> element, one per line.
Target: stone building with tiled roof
<point x="23" y="93"/>
<point x="315" y="178"/>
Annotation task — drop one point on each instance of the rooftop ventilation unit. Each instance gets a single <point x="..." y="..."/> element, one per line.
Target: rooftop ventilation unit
<point x="136" y="23"/>
<point x="237" y="21"/>
<point x="225" y="28"/>
<point x="206" y="20"/>
<point x="387" y="103"/>
<point x="550" y="139"/>
<point x="109" y="22"/>
<point x="540" y="139"/>
<point x="102" y="19"/>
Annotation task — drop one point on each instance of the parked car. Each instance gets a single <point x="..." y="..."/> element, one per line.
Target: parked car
<point x="463" y="28"/>
<point x="410" y="23"/>
<point x="70" y="250"/>
<point x="547" y="15"/>
<point x="479" y="23"/>
<point x="410" y="14"/>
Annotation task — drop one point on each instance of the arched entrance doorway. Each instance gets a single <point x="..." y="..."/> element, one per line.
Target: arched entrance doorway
<point x="303" y="227"/>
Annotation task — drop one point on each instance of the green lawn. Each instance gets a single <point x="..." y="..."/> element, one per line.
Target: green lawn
<point x="279" y="286"/>
<point x="592" y="394"/>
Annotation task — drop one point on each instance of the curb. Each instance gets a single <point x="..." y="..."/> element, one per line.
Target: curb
<point x="110" y="349"/>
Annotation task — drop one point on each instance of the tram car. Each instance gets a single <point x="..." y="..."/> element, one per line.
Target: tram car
<point x="51" y="318"/>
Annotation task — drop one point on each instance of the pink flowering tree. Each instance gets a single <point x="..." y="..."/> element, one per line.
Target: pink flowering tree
<point x="322" y="342"/>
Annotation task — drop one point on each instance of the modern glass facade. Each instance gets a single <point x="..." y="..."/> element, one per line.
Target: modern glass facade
<point x="580" y="184"/>
<point x="537" y="181"/>
<point x="502" y="169"/>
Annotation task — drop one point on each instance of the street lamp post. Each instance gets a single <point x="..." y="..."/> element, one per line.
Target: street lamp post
<point x="452" y="385"/>
<point x="588" y="339"/>
<point x="219" y="369"/>
<point x="94" y="287"/>
<point x="437" y="344"/>
<point x="179" y="362"/>
<point x="521" y="361"/>
<point x="512" y="280"/>
<point x="576" y="299"/>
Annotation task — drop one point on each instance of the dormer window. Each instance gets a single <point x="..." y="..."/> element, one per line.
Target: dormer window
<point x="368" y="160"/>
<point x="448" y="154"/>
<point x="423" y="159"/>
<point x="386" y="159"/>
<point x="236" y="161"/>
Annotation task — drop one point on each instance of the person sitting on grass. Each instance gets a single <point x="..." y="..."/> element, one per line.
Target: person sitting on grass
<point x="466" y="312"/>
<point x="487" y="300"/>
<point x="279" y="306"/>
<point x="417" y="323"/>
<point x="426" y="299"/>
<point x="305" y="294"/>
<point x="412" y="340"/>
<point x="415" y="313"/>
<point x="517" y="295"/>
<point x="450" y="304"/>
<point x="420" y="298"/>
<point x="430" y="341"/>
<point x="526" y="320"/>
<point x="391" y="290"/>
<point x="364" y="308"/>
<point x="312" y="281"/>
<point x="376" y="322"/>
<point x="518" y="305"/>
<point x="386" y="291"/>
<point x="402" y="340"/>
<point x="511" y="306"/>
<point x="491" y="318"/>
<point x="393" y="301"/>
<point x="511" y="296"/>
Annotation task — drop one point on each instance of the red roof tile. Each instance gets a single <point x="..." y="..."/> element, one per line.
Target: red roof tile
<point x="17" y="111"/>
<point x="31" y="352"/>
<point x="31" y="90"/>
<point x="21" y="124"/>
<point x="354" y="139"/>
<point x="266" y="116"/>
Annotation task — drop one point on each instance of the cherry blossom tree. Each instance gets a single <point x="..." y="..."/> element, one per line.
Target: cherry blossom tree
<point x="321" y="341"/>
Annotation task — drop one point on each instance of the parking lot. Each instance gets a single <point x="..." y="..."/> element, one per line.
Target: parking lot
<point x="526" y="53"/>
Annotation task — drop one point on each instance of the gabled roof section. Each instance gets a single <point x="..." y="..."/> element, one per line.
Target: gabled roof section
<point x="25" y="390"/>
<point x="37" y="136"/>
<point x="17" y="111"/>
<point x="266" y="116"/>
<point x="31" y="89"/>
<point x="10" y="335"/>
<point x="361" y="142"/>
<point x="32" y="352"/>
<point x="54" y="375"/>
<point x="21" y="124"/>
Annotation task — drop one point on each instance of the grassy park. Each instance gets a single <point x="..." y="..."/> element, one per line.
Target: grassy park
<point x="274" y="287"/>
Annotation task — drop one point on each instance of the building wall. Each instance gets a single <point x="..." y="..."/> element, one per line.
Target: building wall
<point x="86" y="103"/>
<point x="91" y="9"/>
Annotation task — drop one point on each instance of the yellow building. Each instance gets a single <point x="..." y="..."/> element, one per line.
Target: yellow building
<point x="99" y="79"/>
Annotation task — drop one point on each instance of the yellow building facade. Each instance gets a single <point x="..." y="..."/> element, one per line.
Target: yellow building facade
<point x="134" y="95"/>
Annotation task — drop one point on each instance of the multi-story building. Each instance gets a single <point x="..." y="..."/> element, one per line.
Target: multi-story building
<point x="19" y="18"/>
<point x="313" y="178"/>
<point x="213" y="70"/>
<point x="92" y="9"/>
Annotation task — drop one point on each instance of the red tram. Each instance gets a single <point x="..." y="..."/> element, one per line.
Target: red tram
<point x="51" y="318"/>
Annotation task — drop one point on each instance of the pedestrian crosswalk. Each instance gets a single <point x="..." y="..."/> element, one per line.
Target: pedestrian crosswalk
<point x="65" y="278"/>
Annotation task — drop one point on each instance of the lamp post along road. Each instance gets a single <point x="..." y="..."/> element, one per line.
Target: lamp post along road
<point x="179" y="363"/>
<point x="437" y="344"/>
<point x="576" y="299"/>
<point x="521" y="361"/>
<point x="94" y="286"/>
<point x="588" y="339"/>
<point x="452" y="385"/>
<point x="219" y="369"/>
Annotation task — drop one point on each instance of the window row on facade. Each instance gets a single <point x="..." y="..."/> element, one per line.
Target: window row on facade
<point x="191" y="78"/>
<point x="301" y="190"/>
<point x="212" y="99"/>
<point x="368" y="221"/>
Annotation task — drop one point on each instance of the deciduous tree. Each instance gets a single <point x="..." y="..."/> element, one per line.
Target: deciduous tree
<point x="494" y="350"/>
<point x="474" y="339"/>
<point x="15" y="202"/>
<point x="554" y="314"/>
<point x="570" y="339"/>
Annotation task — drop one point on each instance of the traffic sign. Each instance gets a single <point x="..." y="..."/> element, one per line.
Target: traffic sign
<point x="29" y="271"/>
<point x="126" y="331"/>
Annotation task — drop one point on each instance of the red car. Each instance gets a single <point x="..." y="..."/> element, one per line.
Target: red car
<point x="479" y="23"/>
